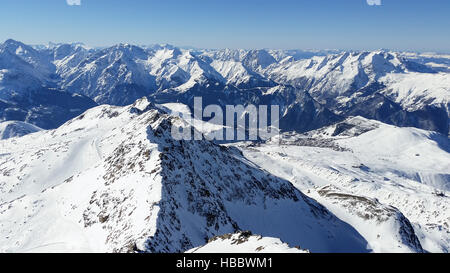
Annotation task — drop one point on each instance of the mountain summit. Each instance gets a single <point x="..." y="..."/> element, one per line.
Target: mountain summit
<point x="401" y="89"/>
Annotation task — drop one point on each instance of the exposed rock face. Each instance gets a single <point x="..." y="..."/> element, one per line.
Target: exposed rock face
<point x="141" y="190"/>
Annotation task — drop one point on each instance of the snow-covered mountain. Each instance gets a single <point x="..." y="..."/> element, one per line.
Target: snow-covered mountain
<point x="398" y="90"/>
<point x="28" y="81"/>
<point x="9" y="129"/>
<point x="381" y="179"/>
<point x="119" y="75"/>
<point x="332" y="76"/>
<point x="384" y="227"/>
<point x="362" y="164"/>
<point x="245" y="242"/>
<point x="402" y="89"/>
<point x="438" y="61"/>
<point x="113" y="179"/>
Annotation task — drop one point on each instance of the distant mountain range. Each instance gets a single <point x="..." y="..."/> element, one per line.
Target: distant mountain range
<point x="48" y="85"/>
<point x="88" y="162"/>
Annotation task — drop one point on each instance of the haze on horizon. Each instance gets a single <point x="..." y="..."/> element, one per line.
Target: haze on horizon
<point x="413" y="25"/>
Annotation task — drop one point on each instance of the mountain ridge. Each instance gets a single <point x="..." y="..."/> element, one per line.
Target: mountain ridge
<point x="137" y="189"/>
<point x="338" y="81"/>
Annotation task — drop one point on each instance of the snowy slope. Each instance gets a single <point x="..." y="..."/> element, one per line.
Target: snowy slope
<point x="28" y="82"/>
<point x="330" y="77"/>
<point x="438" y="61"/>
<point x="114" y="180"/>
<point x="384" y="227"/>
<point x="405" y="168"/>
<point x="121" y="74"/>
<point x="21" y="68"/>
<point x="9" y="129"/>
<point x="245" y="242"/>
<point x="182" y="111"/>
<point x="109" y="75"/>
<point x="401" y="89"/>
<point x="398" y="90"/>
<point x="239" y="75"/>
<point x="340" y="81"/>
<point x="416" y="90"/>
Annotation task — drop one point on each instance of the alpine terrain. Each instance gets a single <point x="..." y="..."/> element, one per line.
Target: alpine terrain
<point x="88" y="161"/>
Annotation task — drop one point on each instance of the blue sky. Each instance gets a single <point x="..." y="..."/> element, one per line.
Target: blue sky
<point x="422" y="25"/>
